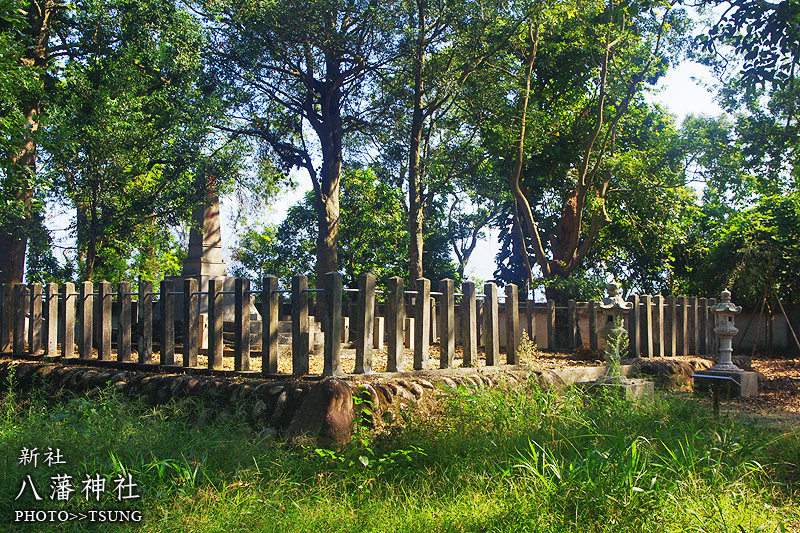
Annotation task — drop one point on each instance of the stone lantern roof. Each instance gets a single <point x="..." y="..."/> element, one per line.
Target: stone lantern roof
<point x="614" y="301"/>
<point x="725" y="305"/>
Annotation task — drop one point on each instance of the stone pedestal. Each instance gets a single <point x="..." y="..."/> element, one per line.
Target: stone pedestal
<point x="631" y="389"/>
<point x="732" y="384"/>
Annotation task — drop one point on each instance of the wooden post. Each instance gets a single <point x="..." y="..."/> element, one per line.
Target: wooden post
<point x="671" y="327"/>
<point x="469" y="325"/>
<point x="51" y="319"/>
<point x="300" y="337"/>
<point x="702" y="326"/>
<point x="167" y="302"/>
<point x="20" y="310"/>
<point x="593" y="340"/>
<point x="215" y="318"/>
<point x="659" y="320"/>
<point x="333" y="324"/>
<point x="191" y="322"/>
<point x="104" y="302"/>
<point x="551" y="325"/>
<point x="422" y="324"/>
<point x="634" y="327"/>
<point x="271" y="307"/>
<point x="491" y="323"/>
<point x="6" y="317"/>
<point x="124" y="335"/>
<point x="694" y="321"/>
<point x="35" y="324"/>
<point x="145" y="344"/>
<point x="683" y="330"/>
<point x="68" y="299"/>
<point x="86" y="312"/>
<point x="395" y="319"/>
<point x="241" y="339"/>
<point x="512" y="324"/>
<point x="447" y="333"/>
<point x="647" y="325"/>
<point x="366" y="323"/>
<point x="572" y="337"/>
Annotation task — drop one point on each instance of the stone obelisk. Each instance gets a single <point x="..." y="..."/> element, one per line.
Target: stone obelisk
<point x="204" y="258"/>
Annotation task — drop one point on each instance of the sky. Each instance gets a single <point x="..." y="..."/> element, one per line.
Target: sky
<point x="682" y="92"/>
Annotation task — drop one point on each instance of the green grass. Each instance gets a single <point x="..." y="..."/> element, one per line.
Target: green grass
<point x="524" y="460"/>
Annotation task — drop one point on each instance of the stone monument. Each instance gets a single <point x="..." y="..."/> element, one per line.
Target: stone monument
<point x="203" y="262"/>
<point x="725" y="372"/>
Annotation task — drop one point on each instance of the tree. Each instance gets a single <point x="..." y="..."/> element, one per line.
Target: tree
<point x="372" y="232"/>
<point x="301" y="65"/>
<point x="130" y="140"/>
<point x="25" y="42"/>
<point x="569" y="113"/>
<point x="444" y="44"/>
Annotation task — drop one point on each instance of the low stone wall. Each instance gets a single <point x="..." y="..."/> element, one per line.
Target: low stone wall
<point x="320" y="408"/>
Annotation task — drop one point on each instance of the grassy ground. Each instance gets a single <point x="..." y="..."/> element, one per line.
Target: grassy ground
<point x="523" y="460"/>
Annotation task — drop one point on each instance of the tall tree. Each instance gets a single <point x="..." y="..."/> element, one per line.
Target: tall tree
<point x="19" y="178"/>
<point x="566" y="94"/>
<point x="130" y="138"/>
<point x="303" y="66"/>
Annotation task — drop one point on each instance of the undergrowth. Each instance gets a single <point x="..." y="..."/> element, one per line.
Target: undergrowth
<point x="486" y="460"/>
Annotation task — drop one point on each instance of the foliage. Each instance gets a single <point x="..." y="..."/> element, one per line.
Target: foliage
<point x="516" y="460"/>
<point x="371" y="230"/>
<point x="130" y="132"/>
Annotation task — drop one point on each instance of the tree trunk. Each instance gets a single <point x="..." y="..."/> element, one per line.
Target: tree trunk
<point x="14" y="237"/>
<point x="415" y="202"/>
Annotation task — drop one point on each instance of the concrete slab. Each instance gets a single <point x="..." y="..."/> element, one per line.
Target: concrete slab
<point x="732" y="384"/>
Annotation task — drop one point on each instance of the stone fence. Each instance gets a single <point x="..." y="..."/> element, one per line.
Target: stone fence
<point x="179" y="323"/>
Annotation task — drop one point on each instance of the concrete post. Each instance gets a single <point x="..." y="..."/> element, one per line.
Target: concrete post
<point x="366" y="323"/>
<point x="145" y="344"/>
<point x="512" y="324"/>
<point x="634" y="326"/>
<point x="659" y="325"/>
<point x="68" y="299"/>
<point x="422" y="324"/>
<point x="491" y="323"/>
<point x="551" y="325"/>
<point x="671" y="327"/>
<point x="124" y="334"/>
<point x="572" y="325"/>
<point x="333" y="324"/>
<point x="647" y="323"/>
<point x="215" y="317"/>
<point x="447" y="334"/>
<point x="51" y="319"/>
<point x="104" y="335"/>
<point x="191" y="322"/>
<point x="395" y="318"/>
<point x="469" y="326"/>
<point x="85" y="312"/>
<point x="241" y="338"/>
<point x="270" y="305"/>
<point x="683" y="326"/>
<point x="300" y="336"/>
<point x="593" y="344"/>
<point x="167" y="303"/>
<point x="35" y="325"/>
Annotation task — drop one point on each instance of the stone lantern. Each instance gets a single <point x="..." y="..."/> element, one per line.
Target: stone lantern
<point x="725" y="374"/>
<point x="613" y="307"/>
<point x="726" y="331"/>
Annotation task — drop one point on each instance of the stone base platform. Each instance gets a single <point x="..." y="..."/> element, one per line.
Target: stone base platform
<point x="731" y="384"/>
<point x="634" y="389"/>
